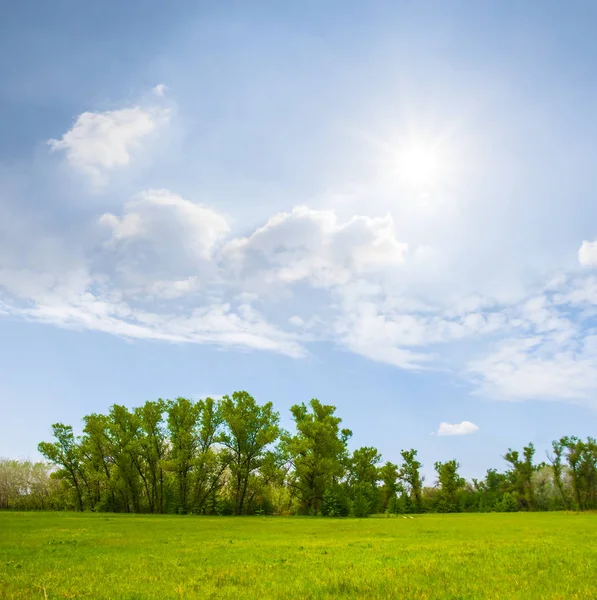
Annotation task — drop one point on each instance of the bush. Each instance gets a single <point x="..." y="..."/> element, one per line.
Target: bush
<point x="335" y="503"/>
<point x="360" y="506"/>
<point x="507" y="504"/>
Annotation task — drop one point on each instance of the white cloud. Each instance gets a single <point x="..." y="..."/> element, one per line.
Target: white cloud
<point x="165" y="267"/>
<point x="587" y="254"/>
<point x="164" y="240"/>
<point x="114" y="287"/>
<point x="217" y="324"/>
<point x="464" y="428"/>
<point x="312" y="246"/>
<point x="160" y="89"/>
<point x="539" y="368"/>
<point x="160" y="216"/>
<point x="174" y="288"/>
<point x="100" y="141"/>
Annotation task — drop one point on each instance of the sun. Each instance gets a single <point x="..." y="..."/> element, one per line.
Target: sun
<point x="421" y="165"/>
<point x="418" y="165"/>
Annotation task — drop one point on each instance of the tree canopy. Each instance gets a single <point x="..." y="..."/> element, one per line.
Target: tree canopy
<point x="230" y="456"/>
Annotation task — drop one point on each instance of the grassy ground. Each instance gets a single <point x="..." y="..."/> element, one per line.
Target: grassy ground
<point x="66" y="555"/>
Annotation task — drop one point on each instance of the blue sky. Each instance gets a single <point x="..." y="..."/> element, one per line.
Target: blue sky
<point x="388" y="206"/>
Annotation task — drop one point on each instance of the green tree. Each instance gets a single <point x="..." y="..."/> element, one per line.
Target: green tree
<point x="363" y="475"/>
<point x="66" y="452"/>
<point x="317" y="452"/>
<point x="582" y="466"/>
<point x="153" y="447"/>
<point x="450" y="483"/>
<point x="182" y="424"/>
<point x="125" y="435"/>
<point x="99" y="462"/>
<point x="521" y="475"/>
<point x="557" y="469"/>
<point x="210" y="461"/>
<point x="249" y="429"/>
<point x="388" y="474"/>
<point x="270" y="476"/>
<point x="410" y="474"/>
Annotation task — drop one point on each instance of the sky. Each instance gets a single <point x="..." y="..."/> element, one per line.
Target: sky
<point x="388" y="206"/>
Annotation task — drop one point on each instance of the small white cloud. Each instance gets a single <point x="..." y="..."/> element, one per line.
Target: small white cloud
<point x="587" y="255"/>
<point x="464" y="428"/>
<point x="159" y="89"/>
<point x="101" y="141"/>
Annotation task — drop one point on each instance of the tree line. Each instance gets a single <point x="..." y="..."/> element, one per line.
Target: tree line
<point x="230" y="456"/>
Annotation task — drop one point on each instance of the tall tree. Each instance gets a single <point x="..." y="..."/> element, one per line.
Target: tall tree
<point x="249" y="429"/>
<point x="66" y="452"/>
<point x="153" y="446"/>
<point x="317" y="452"/>
<point x="450" y="482"/>
<point x="363" y="475"/>
<point x="182" y="421"/>
<point x="410" y="474"/>
<point x="125" y="433"/>
<point x="557" y="469"/>
<point x="521" y="475"/>
<point x="388" y="474"/>
<point x="99" y="462"/>
<point x="582" y="466"/>
<point x="211" y="462"/>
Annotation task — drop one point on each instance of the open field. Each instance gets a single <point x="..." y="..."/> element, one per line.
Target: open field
<point x="67" y="555"/>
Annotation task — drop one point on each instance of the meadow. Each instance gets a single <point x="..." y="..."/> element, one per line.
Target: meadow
<point x="518" y="555"/>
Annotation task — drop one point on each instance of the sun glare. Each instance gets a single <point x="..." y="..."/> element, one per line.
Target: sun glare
<point x="418" y="166"/>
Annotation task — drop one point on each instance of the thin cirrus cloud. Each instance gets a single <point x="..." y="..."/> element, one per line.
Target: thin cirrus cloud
<point x="463" y="428"/>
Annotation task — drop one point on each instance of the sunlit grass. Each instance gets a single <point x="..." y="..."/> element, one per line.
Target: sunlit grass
<point x="66" y="555"/>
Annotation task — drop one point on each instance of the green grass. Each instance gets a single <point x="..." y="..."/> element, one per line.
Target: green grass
<point x="66" y="555"/>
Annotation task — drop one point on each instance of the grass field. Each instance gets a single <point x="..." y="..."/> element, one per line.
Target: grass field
<point x="67" y="555"/>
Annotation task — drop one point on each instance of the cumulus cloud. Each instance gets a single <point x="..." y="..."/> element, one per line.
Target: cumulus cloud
<point x="162" y="216"/>
<point x="587" y="254"/>
<point x="165" y="240"/>
<point x="463" y="428"/>
<point x="116" y="285"/>
<point x="100" y="141"/>
<point x="169" y="268"/>
<point x="307" y="245"/>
